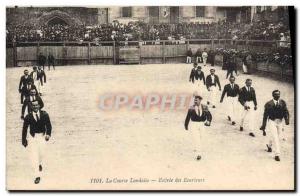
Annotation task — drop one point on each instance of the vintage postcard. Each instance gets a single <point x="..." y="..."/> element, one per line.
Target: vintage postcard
<point x="150" y="98"/>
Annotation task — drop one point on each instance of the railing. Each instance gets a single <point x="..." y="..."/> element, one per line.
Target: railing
<point x="161" y="51"/>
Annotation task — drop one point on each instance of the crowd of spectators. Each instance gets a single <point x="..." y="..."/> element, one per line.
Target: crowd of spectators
<point x="137" y="31"/>
<point x="281" y="55"/>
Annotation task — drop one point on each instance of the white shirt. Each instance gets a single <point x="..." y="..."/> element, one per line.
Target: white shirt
<point x="232" y="86"/>
<point x="31" y="97"/>
<point x="248" y="88"/>
<point x="204" y="54"/>
<point x="198" y="110"/>
<point x="275" y="102"/>
<point x="37" y="113"/>
<point x="34" y="75"/>
<point x="212" y="79"/>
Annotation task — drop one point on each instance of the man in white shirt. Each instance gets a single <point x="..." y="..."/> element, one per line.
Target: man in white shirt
<point x="204" y="56"/>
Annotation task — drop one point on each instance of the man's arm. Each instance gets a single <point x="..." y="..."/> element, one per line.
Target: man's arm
<point x="25" y="104"/>
<point x="223" y="94"/>
<point x="187" y="119"/>
<point x="192" y="75"/>
<point x="286" y="113"/>
<point x="44" y="76"/>
<point x="265" y="117"/>
<point x="24" y="131"/>
<point x="254" y="98"/>
<point x="241" y="97"/>
<point x="203" y="77"/>
<point x="207" y="82"/>
<point x="218" y="82"/>
<point x="48" y="124"/>
<point x="20" y="84"/>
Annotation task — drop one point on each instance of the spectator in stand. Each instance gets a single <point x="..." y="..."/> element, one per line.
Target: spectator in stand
<point x="204" y="56"/>
<point x="198" y="56"/>
<point x="189" y="55"/>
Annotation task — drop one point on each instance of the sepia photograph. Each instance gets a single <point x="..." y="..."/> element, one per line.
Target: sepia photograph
<point x="150" y="98"/>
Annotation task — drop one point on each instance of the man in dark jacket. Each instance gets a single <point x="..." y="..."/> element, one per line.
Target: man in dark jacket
<point x="212" y="81"/>
<point x="40" y="127"/>
<point x="28" y="102"/>
<point x="24" y="80"/>
<point x="197" y="116"/>
<point x="232" y="92"/>
<point x="41" y="60"/>
<point x="51" y="61"/>
<point x="247" y="98"/>
<point x="189" y="55"/>
<point x="41" y="75"/>
<point x="275" y="112"/>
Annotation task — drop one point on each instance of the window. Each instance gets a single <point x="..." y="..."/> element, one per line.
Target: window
<point x="126" y="12"/>
<point x="199" y="11"/>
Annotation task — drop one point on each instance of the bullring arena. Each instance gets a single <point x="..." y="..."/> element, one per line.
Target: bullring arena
<point x="146" y="149"/>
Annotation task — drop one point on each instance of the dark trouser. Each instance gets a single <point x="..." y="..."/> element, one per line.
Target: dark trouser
<point x="230" y="71"/>
<point x="22" y="97"/>
<point x="49" y="65"/>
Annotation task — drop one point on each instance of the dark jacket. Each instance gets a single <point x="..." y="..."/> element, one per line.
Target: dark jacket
<point x="26" y="89"/>
<point x="24" y="81"/>
<point x="247" y="96"/>
<point x="229" y="91"/>
<point x="41" y="59"/>
<point x="51" y="59"/>
<point x="209" y="81"/>
<point x="192" y="75"/>
<point x="189" y="53"/>
<point x="200" y="76"/>
<point x="192" y="115"/>
<point x="43" y="125"/>
<point x="273" y="112"/>
<point x="28" y="103"/>
<point x="41" y="75"/>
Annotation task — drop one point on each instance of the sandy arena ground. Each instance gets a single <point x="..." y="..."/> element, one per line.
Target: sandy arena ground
<point x="88" y="143"/>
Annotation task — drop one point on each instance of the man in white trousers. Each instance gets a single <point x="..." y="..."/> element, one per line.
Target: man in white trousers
<point x="197" y="118"/>
<point x="204" y="56"/>
<point x="36" y="79"/>
<point x="275" y="112"/>
<point x="232" y="92"/>
<point x="247" y="98"/>
<point x="212" y="81"/>
<point x="40" y="127"/>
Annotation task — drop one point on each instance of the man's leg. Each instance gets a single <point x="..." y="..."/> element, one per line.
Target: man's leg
<point x="243" y="119"/>
<point x="34" y="155"/>
<point x="196" y="138"/>
<point x="22" y="97"/>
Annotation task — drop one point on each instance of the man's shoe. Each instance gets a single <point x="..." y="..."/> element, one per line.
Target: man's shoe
<point x="198" y="158"/>
<point x="229" y="119"/>
<point x="208" y="103"/>
<point x="213" y="106"/>
<point x="37" y="180"/>
<point x="233" y="123"/>
<point x="277" y="158"/>
<point x="269" y="148"/>
<point x="252" y="134"/>
<point x="40" y="168"/>
<point x="241" y="129"/>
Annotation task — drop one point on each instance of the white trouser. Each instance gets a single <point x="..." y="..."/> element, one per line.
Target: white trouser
<point x="198" y="133"/>
<point x="245" y="69"/>
<point x="36" y="146"/>
<point x="204" y="60"/>
<point x="274" y="133"/>
<point x="248" y="116"/>
<point x="198" y="58"/>
<point x="188" y="59"/>
<point x="232" y="103"/>
<point x="213" y="95"/>
<point x="38" y="85"/>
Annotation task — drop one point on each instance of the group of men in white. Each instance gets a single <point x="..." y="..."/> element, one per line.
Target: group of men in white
<point x="275" y="111"/>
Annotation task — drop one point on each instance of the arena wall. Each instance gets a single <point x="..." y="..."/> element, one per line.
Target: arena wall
<point x="165" y="52"/>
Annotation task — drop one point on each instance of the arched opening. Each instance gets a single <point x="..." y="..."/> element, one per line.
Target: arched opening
<point x="56" y="20"/>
